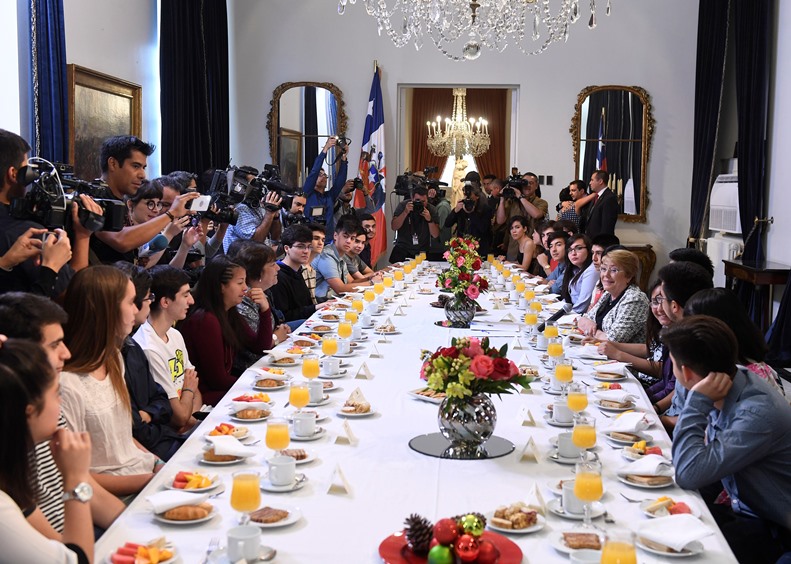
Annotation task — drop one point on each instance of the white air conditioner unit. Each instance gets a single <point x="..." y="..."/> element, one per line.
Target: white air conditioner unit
<point x="719" y="248"/>
<point x="724" y="205"/>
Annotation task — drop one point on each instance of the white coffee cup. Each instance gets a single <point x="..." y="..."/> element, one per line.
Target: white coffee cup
<point x="509" y="286"/>
<point x="316" y="391"/>
<point x="554" y="383"/>
<point x="330" y="365"/>
<point x="500" y="279"/>
<point x="344" y="346"/>
<point x="357" y="331"/>
<point x="365" y="318"/>
<point x="513" y="295"/>
<point x="493" y="272"/>
<point x="561" y="412"/>
<point x="390" y="293"/>
<point x="571" y="503"/>
<point x="244" y="543"/>
<point x="566" y="447"/>
<point x="585" y="556"/>
<point x="304" y="426"/>
<point x="371" y="309"/>
<point x="541" y="342"/>
<point x="522" y="302"/>
<point x="399" y="285"/>
<point x="283" y="469"/>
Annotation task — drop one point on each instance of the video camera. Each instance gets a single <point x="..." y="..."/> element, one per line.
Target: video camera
<point x="48" y="202"/>
<point x="514" y="182"/>
<point x="468" y="203"/>
<point x="243" y="185"/>
<point x="406" y="183"/>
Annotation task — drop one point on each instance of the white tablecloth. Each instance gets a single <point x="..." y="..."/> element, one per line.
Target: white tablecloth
<point x="389" y="480"/>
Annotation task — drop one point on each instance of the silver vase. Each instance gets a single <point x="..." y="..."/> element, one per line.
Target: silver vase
<point x="467" y="423"/>
<point x="460" y="311"/>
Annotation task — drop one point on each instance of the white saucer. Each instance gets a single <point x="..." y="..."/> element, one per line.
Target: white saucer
<point x="540" y="522"/>
<point x="366" y="414"/>
<point x="294" y="515"/>
<point x="553" y="505"/>
<point x="220" y="556"/>
<point x="614" y="409"/>
<point x="646" y="486"/>
<point x="341" y="373"/>
<point x="555" y="457"/>
<point x="299" y="482"/>
<point x="320" y="432"/>
<point x="158" y="517"/>
<point x="345" y="355"/>
<point x="551" y="391"/>
<point x="324" y="401"/>
<point x="551" y="421"/>
<point x="692" y="549"/>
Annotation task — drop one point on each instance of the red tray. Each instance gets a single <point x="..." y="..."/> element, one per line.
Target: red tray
<point x="394" y="550"/>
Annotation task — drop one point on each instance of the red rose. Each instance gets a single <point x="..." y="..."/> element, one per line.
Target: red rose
<point x="477" y="264"/>
<point x="501" y="369"/>
<point x="484" y="284"/>
<point x="464" y="277"/>
<point x="450" y="352"/>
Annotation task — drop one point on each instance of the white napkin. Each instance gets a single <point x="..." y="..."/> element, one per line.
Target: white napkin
<point x="541" y="288"/>
<point x="240" y="405"/>
<point x="547" y="298"/>
<point x="675" y="531"/>
<point x="531" y="281"/>
<point x="569" y="319"/>
<point x="586" y="351"/>
<point x="611" y="367"/>
<point x="278" y="354"/>
<point x="535" y="500"/>
<point x="226" y="445"/>
<point x="628" y="423"/>
<point x="261" y="373"/>
<point x="168" y="499"/>
<point x="555" y="306"/>
<point x="649" y="465"/>
<point x="620" y="396"/>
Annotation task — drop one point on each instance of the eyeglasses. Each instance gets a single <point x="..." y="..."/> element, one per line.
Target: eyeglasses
<point x="301" y="247"/>
<point x="657" y="301"/>
<point x="153" y="206"/>
<point x="612" y="270"/>
<point x="322" y="173"/>
<point x="151" y="297"/>
<point x="578" y="249"/>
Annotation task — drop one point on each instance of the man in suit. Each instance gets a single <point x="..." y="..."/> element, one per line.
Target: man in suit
<point x="603" y="210"/>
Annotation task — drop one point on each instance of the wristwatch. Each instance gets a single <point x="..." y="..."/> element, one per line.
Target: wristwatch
<point x="82" y="493"/>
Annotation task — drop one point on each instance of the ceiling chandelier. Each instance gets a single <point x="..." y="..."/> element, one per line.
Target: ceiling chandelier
<point x="461" y="136"/>
<point x="469" y="25"/>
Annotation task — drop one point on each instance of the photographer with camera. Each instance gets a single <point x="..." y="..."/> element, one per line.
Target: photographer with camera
<point x="22" y="269"/>
<point x="258" y="220"/>
<point x="522" y="196"/>
<point x="416" y="222"/>
<point x="320" y="202"/>
<point x="294" y="211"/>
<point x="473" y="217"/>
<point x="344" y="205"/>
<point x="436" y="197"/>
<point x="123" y="161"/>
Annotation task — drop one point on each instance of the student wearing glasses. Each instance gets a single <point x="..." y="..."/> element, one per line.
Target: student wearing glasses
<point x="291" y="293"/>
<point x="580" y="276"/>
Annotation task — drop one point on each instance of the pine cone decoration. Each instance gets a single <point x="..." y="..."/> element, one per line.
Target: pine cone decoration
<point x="419" y="531"/>
<point x="480" y="516"/>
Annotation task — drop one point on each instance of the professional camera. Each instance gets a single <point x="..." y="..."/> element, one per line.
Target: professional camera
<point x="515" y="182"/>
<point x="418" y="207"/>
<point x="358" y="184"/>
<point x="47" y="201"/>
<point x="406" y="183"/>
<point x="342" y="142"/>
<point x="468" y="203"/>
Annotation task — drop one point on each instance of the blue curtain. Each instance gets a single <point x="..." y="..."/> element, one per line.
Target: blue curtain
<point x="49" y="98"/>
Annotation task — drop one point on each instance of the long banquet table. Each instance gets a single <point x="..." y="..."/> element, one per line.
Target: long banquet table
<point x="388" y="481"/>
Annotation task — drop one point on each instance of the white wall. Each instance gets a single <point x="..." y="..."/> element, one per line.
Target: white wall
<point x="119" y="38"/>
<point x="9" y="95"/>
<point x="646" y="43"/>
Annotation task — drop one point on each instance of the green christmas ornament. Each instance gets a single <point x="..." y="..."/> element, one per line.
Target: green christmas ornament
<point x="472" y="525"/>
<point x="440" y="554"/>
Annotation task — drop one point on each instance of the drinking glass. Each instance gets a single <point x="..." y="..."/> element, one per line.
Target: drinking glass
<point x="246" y="493"/>
<point x="536" y="306"/>
<point x="379" y="288"/>
<point x="555" y="350"/>
<point x="584" y="434"/>
<point x="408" y="268"/>
<point x="520" y="286"/>
<point x="351" y="316"/>
<point x="387" y="281"/>
<point x="490" y="258"/>
<point x="310" y="366"/>
<point x="329" y="346"/>
<point x="344" y="329"/>
<point x="529" y="295"/>
<point x="358" y="305"/>
<point x="577" y="397"/>
<point x="588" y="487"/>
<point x="506" y="273"/>
<point x="277" y="437"/>
<point x="531" y="320"/>
<point x="369" y="296"/>
<point x="398" y="275"/>
<point x="619" y="548"/>
<point x="550" y="330"/>
<point x="564" y="372"/>
<point x="298" y="395"/>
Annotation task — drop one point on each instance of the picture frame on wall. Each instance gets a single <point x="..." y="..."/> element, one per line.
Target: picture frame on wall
<point x="290" y="157"/>
<point x="100" y="106"/>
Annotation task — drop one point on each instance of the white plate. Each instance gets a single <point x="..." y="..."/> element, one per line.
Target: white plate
<point x="258" y="420"/>
<point x="631" y="457"/>
<point x="556" y="540"/>
<point x="345" y="355"/>
<point x="341" y="373"/>
<point x="333" y="389"/>
<point x="299" y="482"/>
<point x="158" y="517"/>
<point x="691" y="504"/>
<point x="271" y="388"/>
<point x="276" y="363"/>
<point x="549" y="390"/>
<point x="551" y="421"/>
<point x="220" y="556"/>
<point x="320" y="432"/>
<point x="608" y="377"/>
<point x="555" y="457"/>
<point x="396" y="332"/>
<point x="614" y="409"/>
<point x="333" y="318"/>
<point x="243" y="437"/>
<point x="353" y="415"/>
<point x="553" y="505"/>
<point x="540" y="522"/>
<point x="324" y="401"/>
<point x="169" y="546"/>
<point x="264" y="372"/>
<point x="646" y="487"/>
<point x="319" y="417"/>
<point x="215" y="482"/>
<point x="416" y="395"/>
<point x="692" y="549"/>
<point x="320" y="331"/>
<point x="310" y="458"/>
<point x="294" y="515"/>
<point x="643" y="437"/>
<point x="226" y="463"/>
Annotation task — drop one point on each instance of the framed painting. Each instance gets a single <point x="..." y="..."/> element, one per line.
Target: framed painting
<point x="100" y="106"/>
<point x="290" y="158"/>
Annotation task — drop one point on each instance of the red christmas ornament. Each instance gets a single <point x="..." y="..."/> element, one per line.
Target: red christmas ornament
<point x="434" y="542"/>
<point x="467" y="548"/>
<point x="487" y="552"/>
<point x="446" y="531"/>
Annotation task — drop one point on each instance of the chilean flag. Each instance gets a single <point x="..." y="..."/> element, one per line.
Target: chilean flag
<point x="601" y="154"/>
<point x="372" y="168"/>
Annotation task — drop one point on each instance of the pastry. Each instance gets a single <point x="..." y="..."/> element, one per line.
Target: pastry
<point x="386" y="328"/>
<point x="304" y="343"/>
<point x="285" y="360"/>
<point x="252" y="414"/>
<point x="322" y="328"/>
<point x="615" y="404"/>
<point x="648" y="480"/>
<point x="501" y="523"/>
<point x="268" y="515"/>
<point x="429" y="393"/>
<point x="327" y="385"/>
<point x="618" y="436"/>
<point x="295" y="453"/>
<point x="209" y="456"/>
<point x="329" y="317"/>
<point x="268" y="383"/>
<point x="517" y="515"/>
<point x="582" y="540"/>
<point x="188" y="512"/>
<point x="356" y="407"/>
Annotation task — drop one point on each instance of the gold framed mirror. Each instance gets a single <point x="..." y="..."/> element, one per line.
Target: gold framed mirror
<point x="615" y="123"/>
<point x="301" y="117"/>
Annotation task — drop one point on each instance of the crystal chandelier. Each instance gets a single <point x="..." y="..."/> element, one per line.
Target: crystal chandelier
<point x="461" y="136"/>
<point x="466" y="26"/>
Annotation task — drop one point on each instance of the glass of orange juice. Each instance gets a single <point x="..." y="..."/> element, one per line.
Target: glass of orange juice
<point x="490" y="258"/>
<point x="550" y="330"/>
<point x="398" y="275"/>
<point x="408" y="268"/>
<point x="584" y="433"/>
<point x="351" y="316"/>
<point x="246" y="493"/>
<point x="379" y="288"/>
<point x="344" y="330"/>
<point x="554" y="349"/>
<point x="588" y="487"/>
<point x="577" y="397"/>
<point x="529" y="295"/>
<point x="387" y="281"/>
<point x="310" y="366"/>
<point x="520" y="286"/>
<point x="277" y="437"/>
<point x="369" y="296"/>
<point x="536" y="306"/>
<point x="506" y="273"/>
<point x="358" y="305"/>
<point x="619" y="547"/>
<point x="298" y="394"/>
<point x="329" y="345"/>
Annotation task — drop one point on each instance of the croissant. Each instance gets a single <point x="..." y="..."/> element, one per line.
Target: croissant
<point x="209" y="456"/>
<point x="188" y="512"/>
<point x="251" y="413"/>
